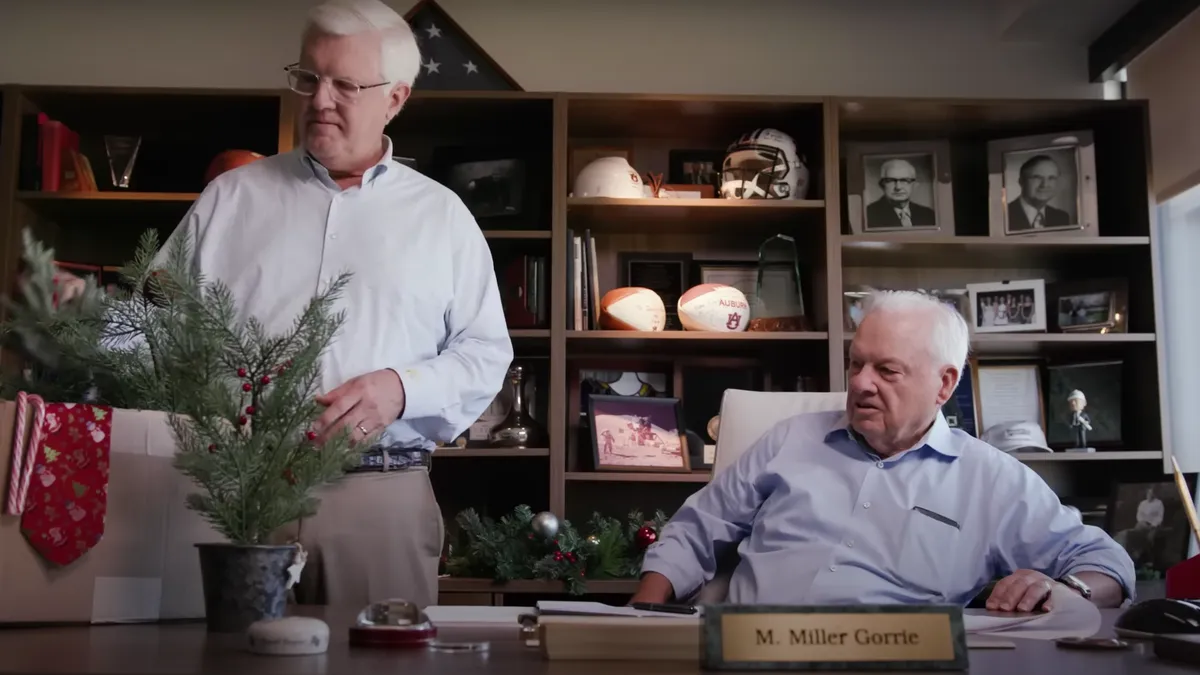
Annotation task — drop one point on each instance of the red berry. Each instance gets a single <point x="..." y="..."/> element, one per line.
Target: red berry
<point x="570" y="557"/>
<point x="242" y="420"/>
<point x="312" y="435"/>
<point x="246" y="386"/>
<point x="249" y="410"/>
<point x="241" y="372"/>
<point x="266" y="379"/>
<point x="558" y="556"/>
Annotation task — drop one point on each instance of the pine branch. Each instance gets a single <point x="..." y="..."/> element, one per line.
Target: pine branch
<point x="508" y="549"/>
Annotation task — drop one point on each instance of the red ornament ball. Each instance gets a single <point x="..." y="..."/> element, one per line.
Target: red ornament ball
<point x="311" y="435"/>
<point x="241" y="372"/>
<point x="249" y="410"/>
<point x="266" y="379"/>
<point x="644" y="537"/>
<point x="242" y="420"/>
<point x="246" y="386"/>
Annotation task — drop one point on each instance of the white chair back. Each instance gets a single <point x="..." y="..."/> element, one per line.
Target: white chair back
<point x="745" y="417"/>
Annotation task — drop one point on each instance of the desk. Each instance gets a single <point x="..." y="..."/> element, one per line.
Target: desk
<point x="189" y="649"/>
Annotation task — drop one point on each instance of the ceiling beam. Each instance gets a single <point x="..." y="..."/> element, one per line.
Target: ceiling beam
<point x="1133" y="33"/>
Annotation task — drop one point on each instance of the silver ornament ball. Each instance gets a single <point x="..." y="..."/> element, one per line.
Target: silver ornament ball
<point x="545" y="524"/>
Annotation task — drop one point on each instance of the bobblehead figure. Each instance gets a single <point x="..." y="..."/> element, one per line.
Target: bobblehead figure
<point x="1080" y="421"/>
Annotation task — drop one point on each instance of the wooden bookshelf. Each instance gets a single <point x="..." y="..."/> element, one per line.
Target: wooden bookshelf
<point x="547" y="128"/>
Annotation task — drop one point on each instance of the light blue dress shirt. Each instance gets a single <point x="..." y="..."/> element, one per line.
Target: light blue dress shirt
<point x="422" y="299"/>
<point x="818" y="518"/>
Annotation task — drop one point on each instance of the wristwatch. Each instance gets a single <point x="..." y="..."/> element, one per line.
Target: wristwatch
<point x="1074" y="583"/>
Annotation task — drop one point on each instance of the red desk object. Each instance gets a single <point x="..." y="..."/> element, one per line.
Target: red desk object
<point x="1183" y="580"/>
<point x="395" y="624"/>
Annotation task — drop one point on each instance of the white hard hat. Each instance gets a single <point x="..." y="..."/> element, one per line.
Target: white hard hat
<point x="609" y="177"/>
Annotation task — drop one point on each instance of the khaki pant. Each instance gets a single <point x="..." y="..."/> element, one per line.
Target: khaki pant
<point x="376" y="536"/>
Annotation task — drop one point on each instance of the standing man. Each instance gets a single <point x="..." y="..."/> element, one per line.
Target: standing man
<point x="895" y="208"/>
<point x="1038" y="178"/>
<point x="425" y="346"/>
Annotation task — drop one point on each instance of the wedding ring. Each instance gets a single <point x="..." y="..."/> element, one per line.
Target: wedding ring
<point x="363" y="430"/>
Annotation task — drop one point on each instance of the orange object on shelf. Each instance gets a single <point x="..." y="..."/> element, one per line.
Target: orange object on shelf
<point x="227" y="160"/>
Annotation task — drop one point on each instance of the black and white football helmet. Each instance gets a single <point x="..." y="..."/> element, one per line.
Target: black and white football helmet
<point x="764" y="164"/>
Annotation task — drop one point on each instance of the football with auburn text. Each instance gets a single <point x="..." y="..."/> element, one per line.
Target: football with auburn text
<point x="715" y="308"/>
<point x="632" y="308"/>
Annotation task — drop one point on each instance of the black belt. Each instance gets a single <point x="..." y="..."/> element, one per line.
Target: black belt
<point x="393" y="459"/>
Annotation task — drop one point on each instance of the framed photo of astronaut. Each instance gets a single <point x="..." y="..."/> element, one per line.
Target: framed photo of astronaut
<point x="1040" y="185"/>
<point x="1008" y="306"/>
<point x="899" y="187"/>
<point x="1149" y="520"/>
<point x="630" y="433"/>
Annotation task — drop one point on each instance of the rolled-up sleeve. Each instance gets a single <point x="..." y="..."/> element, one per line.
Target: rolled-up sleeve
<point x="718" y="516"/>
<point x="1037" y="532"/>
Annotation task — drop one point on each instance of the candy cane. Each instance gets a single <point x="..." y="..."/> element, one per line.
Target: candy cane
<point x="23" y="457"/>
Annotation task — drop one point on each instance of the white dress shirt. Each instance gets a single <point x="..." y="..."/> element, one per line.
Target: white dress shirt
<point x="422" y="299"/>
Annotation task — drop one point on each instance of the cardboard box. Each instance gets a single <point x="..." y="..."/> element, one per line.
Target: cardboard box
<point x="145" y="568"/>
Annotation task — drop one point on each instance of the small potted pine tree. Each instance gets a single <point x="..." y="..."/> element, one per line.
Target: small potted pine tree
<point x="240" y="403"/>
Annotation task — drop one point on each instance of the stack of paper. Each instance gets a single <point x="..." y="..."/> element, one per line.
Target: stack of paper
<point x="572" y="608"/>
<point x="1072" y="616"/>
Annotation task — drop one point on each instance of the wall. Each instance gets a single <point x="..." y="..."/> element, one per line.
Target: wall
<point x="1166" y="76"/>
<point x="816" y="47"/>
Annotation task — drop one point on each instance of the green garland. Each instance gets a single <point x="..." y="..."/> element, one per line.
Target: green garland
<point x="510" y="549"/>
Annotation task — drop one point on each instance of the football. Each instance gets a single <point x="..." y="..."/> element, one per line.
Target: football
<point x="228" y="160"/>
<point x="632" y="308"/>
<point x="714" y="307"/>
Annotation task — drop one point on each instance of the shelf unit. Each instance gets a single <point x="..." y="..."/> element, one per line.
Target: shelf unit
<point x="189" y="126"/>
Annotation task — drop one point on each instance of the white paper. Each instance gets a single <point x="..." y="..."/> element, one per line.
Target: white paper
<point x="1008" y="394"/>
<point x="449" y="615"/>
<point x="601" y="609"/>
<point x="1072" y="616"/>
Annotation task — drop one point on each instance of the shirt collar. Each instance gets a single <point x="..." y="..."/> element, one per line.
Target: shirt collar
<point x="318" y="170"/>
<point x="939" y="438"/>
<point x="1031" y="211"/>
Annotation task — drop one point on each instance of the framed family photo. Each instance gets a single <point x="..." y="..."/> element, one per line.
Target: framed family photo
<point x="1008" y="306"/>
<point x="1043" y="184"/>
<point x="630" y="433"/>
<point x="899" y="187"/>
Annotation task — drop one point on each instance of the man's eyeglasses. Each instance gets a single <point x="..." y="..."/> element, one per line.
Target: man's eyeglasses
<point x="306" y="83"/>
<point x="898" y="181"/>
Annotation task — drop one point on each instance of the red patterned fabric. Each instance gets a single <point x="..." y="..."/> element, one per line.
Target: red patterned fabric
<point x="64" y="511"/>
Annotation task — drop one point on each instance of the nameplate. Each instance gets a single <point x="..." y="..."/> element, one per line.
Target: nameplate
<point x="838" y="637"/>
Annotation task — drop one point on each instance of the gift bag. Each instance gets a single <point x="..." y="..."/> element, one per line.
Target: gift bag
<point x="94" y="527"/>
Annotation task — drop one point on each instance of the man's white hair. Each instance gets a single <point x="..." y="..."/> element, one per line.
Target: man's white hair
<point x="400" y="60"/>
<point x="949" y="338"/>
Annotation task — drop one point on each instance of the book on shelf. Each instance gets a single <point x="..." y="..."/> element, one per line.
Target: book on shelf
<point x="583" y="282"/>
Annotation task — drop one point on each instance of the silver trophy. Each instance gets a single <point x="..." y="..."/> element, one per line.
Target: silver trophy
<point x="518" y="429"/>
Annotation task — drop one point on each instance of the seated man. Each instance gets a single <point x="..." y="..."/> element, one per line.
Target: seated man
<point x="884" y="503"/>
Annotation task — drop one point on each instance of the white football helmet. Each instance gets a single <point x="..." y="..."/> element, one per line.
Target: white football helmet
<point x="609" y="177"/>
<point x="763" y="164"/>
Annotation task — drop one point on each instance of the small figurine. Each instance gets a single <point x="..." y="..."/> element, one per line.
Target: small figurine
<point x="1080" y="421"/>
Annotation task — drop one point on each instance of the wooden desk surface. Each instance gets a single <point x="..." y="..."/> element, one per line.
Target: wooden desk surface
<point x="188" y="648"/>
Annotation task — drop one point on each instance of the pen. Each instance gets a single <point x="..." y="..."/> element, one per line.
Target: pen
<point x="671" y="609"/>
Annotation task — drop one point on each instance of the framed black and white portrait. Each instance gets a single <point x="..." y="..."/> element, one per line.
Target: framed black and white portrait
<point x="1043" y="185"/>
<point x="1008" y="306"/>
<point x="899" y="187"/>
<point x="1150" y="522"/>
